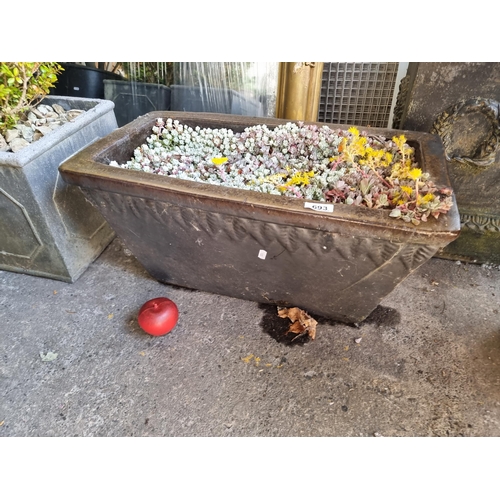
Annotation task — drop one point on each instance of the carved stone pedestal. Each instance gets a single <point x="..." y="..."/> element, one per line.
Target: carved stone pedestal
<point x="460" y="103"/>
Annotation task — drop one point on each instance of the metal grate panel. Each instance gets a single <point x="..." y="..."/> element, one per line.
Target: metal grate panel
<point x="357" y="93"/>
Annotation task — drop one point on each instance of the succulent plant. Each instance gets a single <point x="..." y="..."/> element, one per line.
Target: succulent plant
<point x="294" y="159"/>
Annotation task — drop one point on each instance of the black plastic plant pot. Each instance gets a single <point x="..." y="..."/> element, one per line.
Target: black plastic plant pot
<point x="134" y="99"/>
<point x="214" y="100"/>
<point x="201" y="99"/>
<point x="261" y="247"/>
<point x="78" y="80"/>
<point x="244" y="105"/>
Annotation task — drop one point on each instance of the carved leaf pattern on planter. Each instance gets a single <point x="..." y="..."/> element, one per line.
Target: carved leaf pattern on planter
<point x="351" y="264"/>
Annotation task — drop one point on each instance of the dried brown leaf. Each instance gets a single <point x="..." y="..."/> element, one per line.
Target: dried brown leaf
<point x="301" y="321"/>
<point x="296" y="327"/>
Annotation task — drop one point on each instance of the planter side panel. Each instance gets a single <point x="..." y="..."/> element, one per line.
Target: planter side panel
<point x="329" y="274"/>
<point x="47" y="226"/>
<point x="26" y="241"/>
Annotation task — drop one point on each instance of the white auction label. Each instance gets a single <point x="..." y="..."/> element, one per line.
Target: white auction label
<point x="319" y="207"/>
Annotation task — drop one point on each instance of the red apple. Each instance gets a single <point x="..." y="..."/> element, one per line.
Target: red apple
<point x="158" y="316"/>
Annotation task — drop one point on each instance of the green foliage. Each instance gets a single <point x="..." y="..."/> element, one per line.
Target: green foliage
<point x="22" y="86"/>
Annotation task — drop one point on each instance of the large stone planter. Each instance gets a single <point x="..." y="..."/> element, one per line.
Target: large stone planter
<point x="47" y="227"/>
<point x="256" y="246"/>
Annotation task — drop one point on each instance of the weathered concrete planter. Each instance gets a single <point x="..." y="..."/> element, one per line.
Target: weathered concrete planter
<point x="47" y="227"/>
<point x="256" y="246"/>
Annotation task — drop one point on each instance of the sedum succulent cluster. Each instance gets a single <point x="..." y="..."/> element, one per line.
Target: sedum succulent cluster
<point x="294" y="159"/>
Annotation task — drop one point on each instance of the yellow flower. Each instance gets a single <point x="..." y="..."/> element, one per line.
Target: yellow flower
<point x="354" y="131"/>
<point x="298" y="179"/>
<point x="427" y="198"/>
<point x="219" y="161"/>
<point x="407" y="189"/>
<point x="400" y="141"/>
<point x="415" y="173"/>
<point x="355" y="148"/>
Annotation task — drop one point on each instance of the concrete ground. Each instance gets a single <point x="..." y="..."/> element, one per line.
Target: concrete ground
<point x="425" y="363"/>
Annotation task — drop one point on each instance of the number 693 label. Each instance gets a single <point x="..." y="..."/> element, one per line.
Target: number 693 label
<point x="319" y="207"/>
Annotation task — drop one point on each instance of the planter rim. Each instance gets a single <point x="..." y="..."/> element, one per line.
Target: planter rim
<point x="89" y="169"/>
<point x="34" y="150"/>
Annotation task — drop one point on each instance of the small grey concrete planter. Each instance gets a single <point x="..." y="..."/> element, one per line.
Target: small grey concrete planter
<point x="47" y="227"/>
<point x="257" y="246"/>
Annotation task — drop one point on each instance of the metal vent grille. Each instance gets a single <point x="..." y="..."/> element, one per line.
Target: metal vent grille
<point x="357" y="93"/>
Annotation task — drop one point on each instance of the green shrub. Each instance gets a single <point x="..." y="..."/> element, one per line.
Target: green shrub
<point x="22" y="86"/>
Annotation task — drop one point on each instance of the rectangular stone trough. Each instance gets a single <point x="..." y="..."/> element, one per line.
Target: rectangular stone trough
<point x="260" y="247"/>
